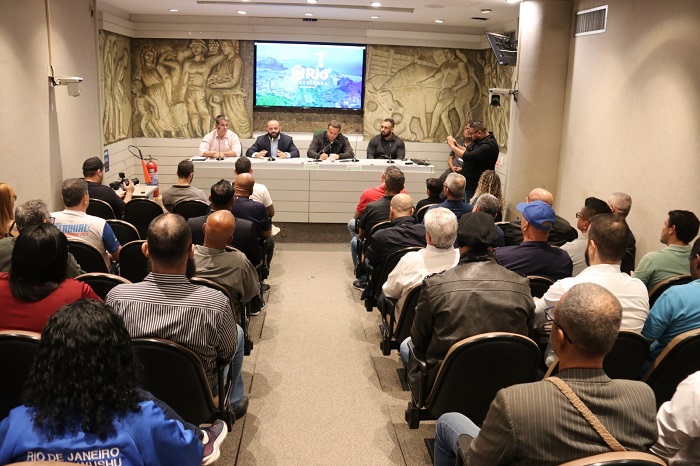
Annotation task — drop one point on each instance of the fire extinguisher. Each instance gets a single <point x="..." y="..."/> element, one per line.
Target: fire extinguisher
<point x="152" y="168"/>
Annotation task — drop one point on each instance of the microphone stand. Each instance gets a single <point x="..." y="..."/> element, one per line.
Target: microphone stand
<point x="390" y="160"/>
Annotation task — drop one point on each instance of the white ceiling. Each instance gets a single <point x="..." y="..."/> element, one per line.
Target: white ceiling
<point x="399" y="13"/>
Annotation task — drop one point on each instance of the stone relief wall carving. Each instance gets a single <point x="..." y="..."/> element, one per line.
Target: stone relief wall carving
<point x="115" y="73"/>
<point x="431" y="92"/>
<point x="179" y="86"/>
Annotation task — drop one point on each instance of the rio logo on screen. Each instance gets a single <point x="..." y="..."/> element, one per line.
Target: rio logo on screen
<point x="310" y="77"/>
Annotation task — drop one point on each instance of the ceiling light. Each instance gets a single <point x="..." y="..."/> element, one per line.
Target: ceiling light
<point x="173" y="10"/>
<point x="308" y="14"/>
<point x="439" y="20"/>
<point x="375" y="4"/>
<point x="241" y="12"/>
<point x="486" y="10"/>
<point x="311" y="1"/>
<point x="374" y="17"/>
<point x="512" y="1"/>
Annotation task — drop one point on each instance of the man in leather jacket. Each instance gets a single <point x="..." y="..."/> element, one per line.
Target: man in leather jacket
<point x="476" y="296"/>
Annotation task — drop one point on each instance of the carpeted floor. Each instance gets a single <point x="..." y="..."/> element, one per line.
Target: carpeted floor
<point x="321" y="392"/>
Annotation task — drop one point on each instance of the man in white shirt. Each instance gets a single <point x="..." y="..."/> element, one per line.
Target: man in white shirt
<point x="439" y="255"/>
<point x="220" y="143"/>
<point x="260" y="192"/>
<point x="607" y="242"/>
<point x="677" y="424"/>
<point x="577" y="248"/>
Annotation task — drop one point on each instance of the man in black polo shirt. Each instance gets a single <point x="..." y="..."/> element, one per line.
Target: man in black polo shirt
<point x="93" y="172"/>
<point x="386" y="145"/>
<point x="402" y="233"/>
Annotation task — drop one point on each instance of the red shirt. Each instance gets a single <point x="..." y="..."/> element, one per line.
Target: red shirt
<point x="371" y="195"/>
<point x="32" y="316"/>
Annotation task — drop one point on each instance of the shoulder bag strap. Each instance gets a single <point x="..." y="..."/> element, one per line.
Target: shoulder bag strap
<point x="586" y="413"/>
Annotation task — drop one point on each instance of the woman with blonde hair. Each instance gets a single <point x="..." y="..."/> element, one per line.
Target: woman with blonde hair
<point x="7" y="209"/>
<point x="490" y="183"/>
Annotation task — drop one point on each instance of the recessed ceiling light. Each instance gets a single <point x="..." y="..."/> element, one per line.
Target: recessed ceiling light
<point x="241" y="12"/>
<point x="512" y="1"/>
<point x="308" y="14"/>
<point x="311" y="1"/>
<point x="374" y="17"/>
<point x="173" y="10"/>
<point x="486" y="10"/>
<point x="439" y="20"/>
<point x="375" y="4"/>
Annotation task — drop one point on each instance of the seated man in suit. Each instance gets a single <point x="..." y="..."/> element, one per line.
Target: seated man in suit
<point x="535" y="423"/>
<point x="535" y="256"/>
<point x="476" y="296"/>
<point x="273" y="144"/>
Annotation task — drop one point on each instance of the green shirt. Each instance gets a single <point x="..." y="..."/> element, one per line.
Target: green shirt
<point x="659" y="265"/>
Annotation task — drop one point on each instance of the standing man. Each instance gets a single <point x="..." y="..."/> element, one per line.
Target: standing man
<point x="273" y="144"/>
<point x="330" y="144"/>
<point x="386" y="145"/>
<point x="678" y="231"/>
<point x="183" y="190"/>
<point x="220" y="143"/>
<point x="479" y="156"/>
<point x="93" y="172"/>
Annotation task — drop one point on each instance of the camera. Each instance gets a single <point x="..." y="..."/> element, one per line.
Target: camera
<point x="116" y="185"/>
<point x="496" y="95"/>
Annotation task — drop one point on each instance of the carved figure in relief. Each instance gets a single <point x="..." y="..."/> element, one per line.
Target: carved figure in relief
<point x="195" y="72"/>
<point x="147" y="108"/>
<point x="227" y="78"/>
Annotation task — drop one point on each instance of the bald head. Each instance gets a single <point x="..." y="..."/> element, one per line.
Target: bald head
<point x="218" y="229"/>
<point x="540" y="194"/>
<point x="401" y="206"/>
<point x="243" y="185"/>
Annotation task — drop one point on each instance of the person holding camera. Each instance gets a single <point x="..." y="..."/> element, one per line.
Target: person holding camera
<point x="93" y="172"/>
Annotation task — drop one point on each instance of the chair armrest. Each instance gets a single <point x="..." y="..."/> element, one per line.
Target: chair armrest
<point x="223" y="371"/>
<point x="417" y="361"/>
<point x="463" y="443"/>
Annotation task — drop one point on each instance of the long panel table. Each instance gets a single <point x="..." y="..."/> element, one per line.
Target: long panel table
<point x="304" y="191"/>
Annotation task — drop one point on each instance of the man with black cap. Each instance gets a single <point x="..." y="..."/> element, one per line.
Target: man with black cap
<point x="93" y="172"/>
<point x="476" y="296"/>
<point x="534" y="256"/>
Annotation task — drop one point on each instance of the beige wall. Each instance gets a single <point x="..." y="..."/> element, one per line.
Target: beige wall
<point x="46" y="134"/>
<point x="632" y="114"/>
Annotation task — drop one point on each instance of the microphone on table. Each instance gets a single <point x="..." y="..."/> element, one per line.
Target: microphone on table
<point x="354" y="151"/>
<point x="390" y="161"/>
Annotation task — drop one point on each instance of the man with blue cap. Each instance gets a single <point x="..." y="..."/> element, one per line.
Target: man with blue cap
<point x="534" y="256"/>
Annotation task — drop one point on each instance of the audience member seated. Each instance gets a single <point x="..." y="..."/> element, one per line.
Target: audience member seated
<point x="438" y="256"/>
<point x="489" y="204"/>
<point x="490" y="183"/>
<point x="454" y="196"/>
<point x="183" y="190"/>
<point x="221" y="198"/>
<point x="476" y="296"/>
<point x="27" y="214"/>
<point x="676" y="311"/>
<point x="607" y="242"/>
<point x="246" y="208"/>
<point x="164" y="303"/>
<point x="577" y="248"/>
<point x="74" y="222"/>
<point x="82" y="403"/>
<point x="371" y="195"/>
<point x="7" y="207"/>
<point x="273" y="144"/>
<point x="376" y="212"/>
<point x="37" y="285"/>
<point x="434" y="187"/>
<point x="93" y="172"/>
<point x="402" y="233"/>
<point x="229" y="269"/>
<point x="535" y="256"/>
<point x="678" y="232"/>
<point x="620" y="205"/>
<point x="260" y="192"/>
<point x="535" y="423"/>
<point x="561" y="232"/>
<point x="677" y="425"/>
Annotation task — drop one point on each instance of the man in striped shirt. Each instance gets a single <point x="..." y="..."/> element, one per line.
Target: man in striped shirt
<point x="166" y="305"/>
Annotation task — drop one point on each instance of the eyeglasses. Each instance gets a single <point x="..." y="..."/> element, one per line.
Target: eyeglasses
<point x="551" y="319"/>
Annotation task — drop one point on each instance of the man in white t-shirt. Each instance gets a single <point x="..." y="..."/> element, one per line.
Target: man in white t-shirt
<point x="74" y="221"/>
<point x="577" y="248"/>
<point x="260" y="192"/>
<point x="220" y="143"/>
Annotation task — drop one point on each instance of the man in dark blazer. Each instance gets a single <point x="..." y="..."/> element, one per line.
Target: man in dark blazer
<point x="274" y="144"/>
<point x="535" y="423"/>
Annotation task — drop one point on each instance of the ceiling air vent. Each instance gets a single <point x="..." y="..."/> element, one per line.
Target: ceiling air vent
<point x="591" y="21"/>
<point x="477" y="18"/>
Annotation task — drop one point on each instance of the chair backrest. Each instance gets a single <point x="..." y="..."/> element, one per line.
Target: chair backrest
<point x="124" y="231"/>
<point x="408" y="312"/>
<point x="381" y="273"/>
<point x="140" y="213"/>
<point x="476" y="368"/>
<point x="17" y="352"/>
<point x="101" y="283"/>
<point x="246" y="240"/>
<point x="664" y="285"/>
<point x="419" y="215"/>
<point x="215" y="286"/>
<point x="539" y="285"/>
<point x="175" y="375"/>
<point x="87" y="255"/>
<point x="627" y="458"/>
<point x="133" y="264"/>
<point x="100" y="208"/>
<point x="676" y="362"/>
<point x="189" y="208"/>
<point x="368" y="239"/>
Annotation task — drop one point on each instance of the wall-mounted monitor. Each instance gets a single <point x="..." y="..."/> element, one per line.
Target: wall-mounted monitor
<point x="304" y="75"/>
